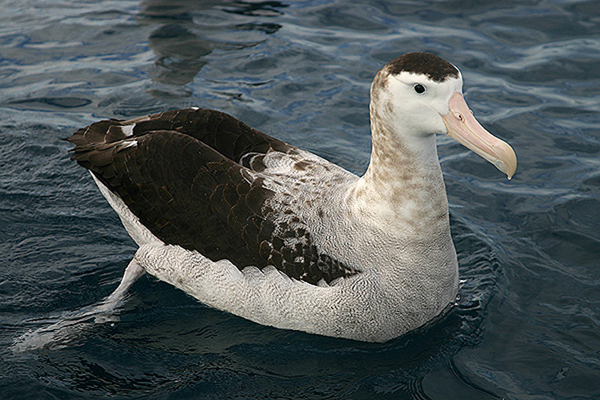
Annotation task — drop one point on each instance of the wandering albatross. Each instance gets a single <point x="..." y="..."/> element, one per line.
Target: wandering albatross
<point x="251" y="225"/>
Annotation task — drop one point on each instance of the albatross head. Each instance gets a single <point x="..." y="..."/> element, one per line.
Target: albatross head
<point x="421" y="95"/>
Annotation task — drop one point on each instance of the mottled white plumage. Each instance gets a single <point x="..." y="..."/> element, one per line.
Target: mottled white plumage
<point x="391" y="225"/>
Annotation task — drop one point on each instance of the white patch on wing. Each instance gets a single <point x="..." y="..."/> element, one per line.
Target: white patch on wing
<point x="132" y="143"/>
<point x="128" y="129"/>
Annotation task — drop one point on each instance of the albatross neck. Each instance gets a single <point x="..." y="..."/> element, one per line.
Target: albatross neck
<point x="403" y="185"/>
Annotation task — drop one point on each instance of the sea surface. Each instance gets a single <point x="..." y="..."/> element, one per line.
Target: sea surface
<point x="527" y="324"/>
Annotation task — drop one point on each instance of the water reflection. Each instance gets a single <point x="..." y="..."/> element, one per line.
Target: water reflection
<point x="186" y="35"/>
<point x="179" y="54"/>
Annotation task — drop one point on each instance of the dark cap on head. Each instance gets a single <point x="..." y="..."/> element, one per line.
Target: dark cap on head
<point x="434" y="67"/>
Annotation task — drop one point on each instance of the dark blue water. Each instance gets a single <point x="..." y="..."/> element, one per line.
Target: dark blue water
<point x="528" y="321"/>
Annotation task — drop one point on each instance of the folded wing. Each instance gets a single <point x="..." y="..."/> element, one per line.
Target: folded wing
<point x="195" y="178"/>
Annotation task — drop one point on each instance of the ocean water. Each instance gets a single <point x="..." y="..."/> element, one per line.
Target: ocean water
<point x="527" y="325"/>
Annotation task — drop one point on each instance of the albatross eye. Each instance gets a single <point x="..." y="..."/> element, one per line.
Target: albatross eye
<point x="419" y="88"/>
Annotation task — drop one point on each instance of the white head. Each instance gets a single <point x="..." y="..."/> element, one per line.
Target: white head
<point x="420" y="95"/>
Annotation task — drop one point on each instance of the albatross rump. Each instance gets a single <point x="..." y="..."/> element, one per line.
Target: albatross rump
<point x="251" y="225"/>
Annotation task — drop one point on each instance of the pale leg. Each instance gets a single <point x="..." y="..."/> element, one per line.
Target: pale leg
<point x="71" y="326"/>
<point x="133" y="272"/>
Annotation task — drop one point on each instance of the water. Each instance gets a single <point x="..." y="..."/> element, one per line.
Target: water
<point x="528" y="322"/>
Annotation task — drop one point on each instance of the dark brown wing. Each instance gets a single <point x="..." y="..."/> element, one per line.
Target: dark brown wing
<point x="179" y="172"/>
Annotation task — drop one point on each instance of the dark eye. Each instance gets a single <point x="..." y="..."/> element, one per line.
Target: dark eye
<point x="419" y="88"/>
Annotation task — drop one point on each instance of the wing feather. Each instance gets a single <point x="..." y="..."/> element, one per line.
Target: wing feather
<point x="179" y="172"/>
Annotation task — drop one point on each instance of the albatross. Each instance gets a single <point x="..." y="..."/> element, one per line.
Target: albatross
<point x="256" y="227"/>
